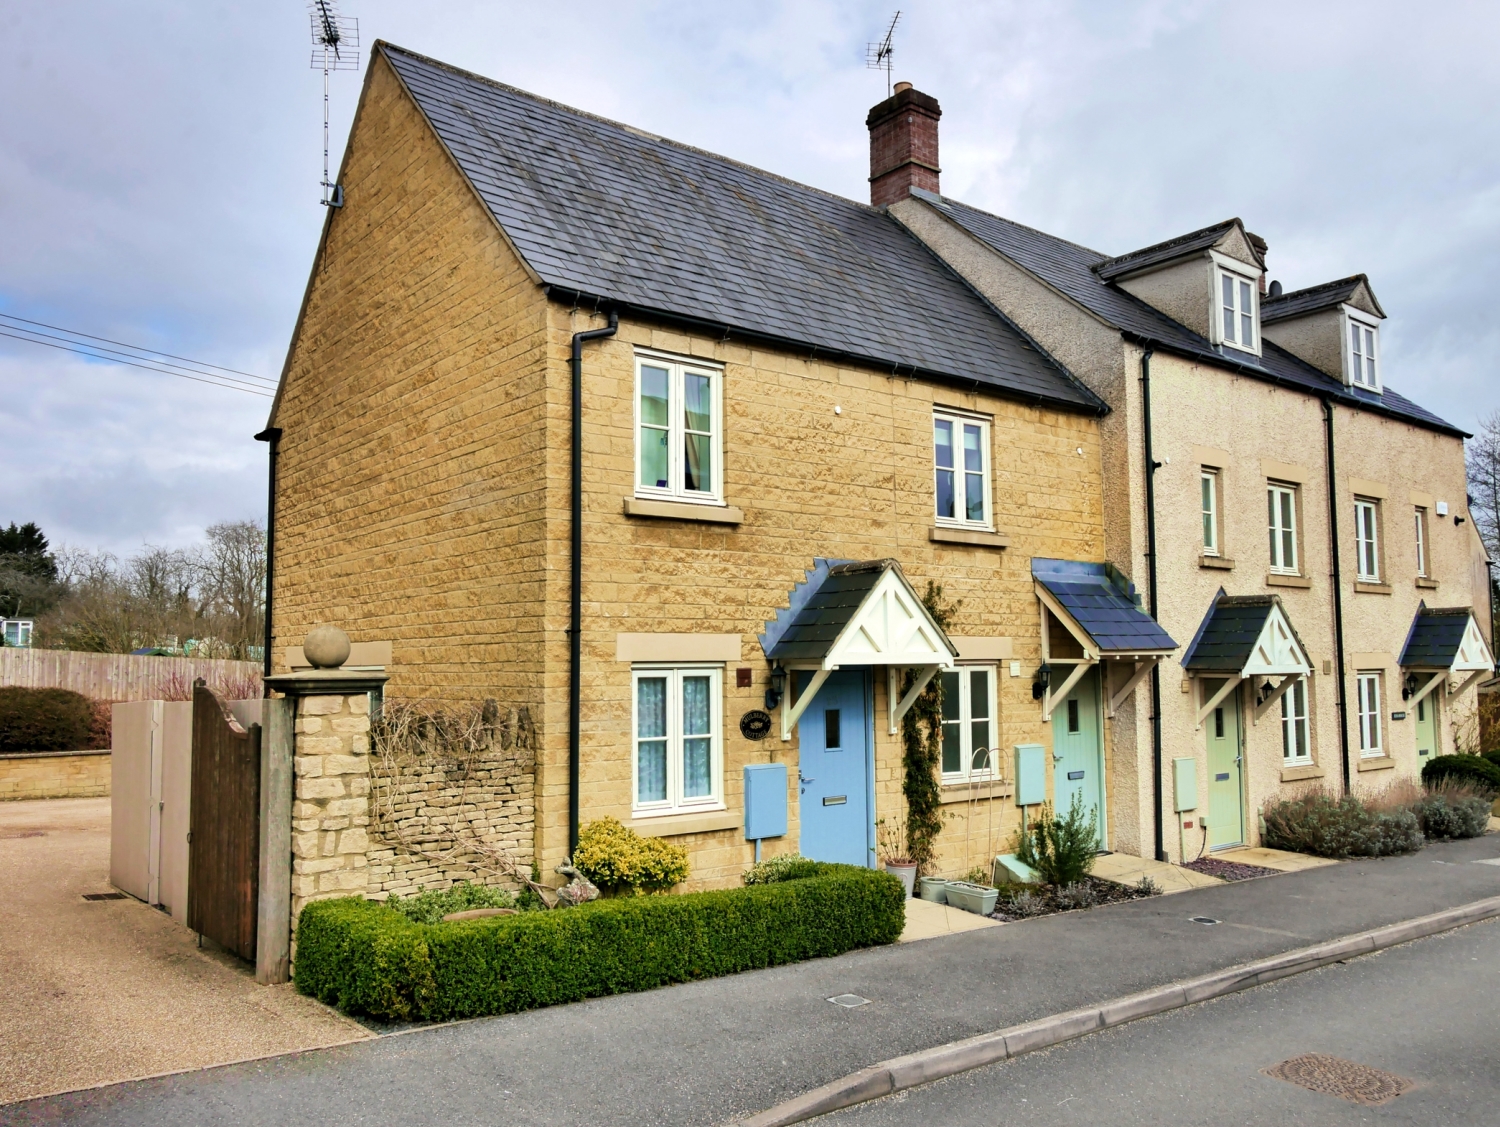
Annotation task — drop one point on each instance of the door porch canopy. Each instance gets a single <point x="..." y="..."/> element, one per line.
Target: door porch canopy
<point x="1095" y="608"/>
<point x="1247" y="638"/>
<point x="848" y="613"/>
<point x="1444" y="642"/>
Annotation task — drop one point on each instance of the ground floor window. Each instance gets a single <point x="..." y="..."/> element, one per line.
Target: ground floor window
<point x="678" y="725"/>
<point x="1296" y="748"/>
<point x="1368" y="685"/>
<point x="969" y="728"/>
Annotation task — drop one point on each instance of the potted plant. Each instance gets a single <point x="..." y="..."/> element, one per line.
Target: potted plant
<point x="971" y="897"/>
<point x="890" y="839"/>
<point x="934" y="889"/>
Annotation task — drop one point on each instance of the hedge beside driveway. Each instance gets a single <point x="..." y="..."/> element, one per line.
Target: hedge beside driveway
<point x="366" y="958"/>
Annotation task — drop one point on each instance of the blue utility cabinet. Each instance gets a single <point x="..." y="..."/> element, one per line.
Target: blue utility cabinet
<point x="765" y="800"/>
<point x="1031" y="775"/>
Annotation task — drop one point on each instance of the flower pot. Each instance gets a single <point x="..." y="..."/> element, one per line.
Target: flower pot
<point x="907" y="872"/>
<point x="934" y="889"/>
<point x="974" y="898"/>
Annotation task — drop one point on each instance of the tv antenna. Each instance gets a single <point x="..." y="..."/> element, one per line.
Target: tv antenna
<point x="878" y="55"/>
<point x="335" y="47"/>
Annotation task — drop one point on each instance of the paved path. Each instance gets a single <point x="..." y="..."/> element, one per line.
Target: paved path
<point x="1423" y="1011"/>
<point x="93" y="992"/>
<point x="706" y="1052"/>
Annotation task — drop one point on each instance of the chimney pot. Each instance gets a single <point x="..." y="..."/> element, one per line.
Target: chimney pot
<point x="903" y="145"/>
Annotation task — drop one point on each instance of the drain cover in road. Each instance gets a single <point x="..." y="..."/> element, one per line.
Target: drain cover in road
<point x="1207" y="921"/>
<point x="849" y="1001"/>
<point x="1332" y="1076"/>
<point x="104" y="896"/>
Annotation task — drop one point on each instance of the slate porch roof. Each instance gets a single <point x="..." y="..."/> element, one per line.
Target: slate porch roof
<point x="1434" y="638"/>
<point x="1227" y="636"/>
<point x="604" y="213"/>
<point x="1098" y="600"/>
<point x="1070" y="269"/>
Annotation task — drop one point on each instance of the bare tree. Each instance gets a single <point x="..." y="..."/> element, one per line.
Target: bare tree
<point x="231" y="580"/>
<point x="1483" y="457"/>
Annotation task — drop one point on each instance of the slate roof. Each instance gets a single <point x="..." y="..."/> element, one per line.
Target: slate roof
<point x="1298" y="303"/>
<point x="822" y="606"/>
<point x="1434" y="638"/>
<point x="1164" y="252"/>
<point x="604" y="212"/>
<point x="1226" y="639"/>
<point x="1069" y="268"/>
<point x="1097" y="597"/>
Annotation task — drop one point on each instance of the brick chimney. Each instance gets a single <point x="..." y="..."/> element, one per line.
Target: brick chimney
<point x="903" y="145"/>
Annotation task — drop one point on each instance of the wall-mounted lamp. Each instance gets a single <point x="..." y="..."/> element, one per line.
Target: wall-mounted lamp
<point x="778" y="686"/>
<point x="1040" y="681"/>
<point x="1409" y="686"/>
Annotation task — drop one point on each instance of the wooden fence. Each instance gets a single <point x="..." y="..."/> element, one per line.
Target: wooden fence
<point x="119" y="676"/>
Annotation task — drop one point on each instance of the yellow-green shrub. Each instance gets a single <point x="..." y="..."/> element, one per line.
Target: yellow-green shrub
<point x="618" y="859"/>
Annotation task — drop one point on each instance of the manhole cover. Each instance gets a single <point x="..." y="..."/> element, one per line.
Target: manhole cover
<point x="104" y="896"/>
<point x="1208" y="921"/>
<point x="1332" y="1076"/>
<point x="849" y="1001"/>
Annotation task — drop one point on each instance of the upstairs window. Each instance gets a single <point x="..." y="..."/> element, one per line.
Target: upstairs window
<point x="960" y="454"/>
<point x="678" y="430"/>
<point x="1237" y="311"/>
<point x="1362" y="348"/>
<point x="969" y="730"/>
<point x="1281" y="511"/>
<point x="1208" y="483"/>
<point x="1421" y="523"/>
<point x="1367" y="541"/>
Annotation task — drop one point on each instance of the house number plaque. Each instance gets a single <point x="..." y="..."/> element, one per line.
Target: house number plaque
<point x="755" y="724"/>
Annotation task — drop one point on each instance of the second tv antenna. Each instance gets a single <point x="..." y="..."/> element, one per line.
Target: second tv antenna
<point x="335" y="47"/>
<point x="878" y="55"/>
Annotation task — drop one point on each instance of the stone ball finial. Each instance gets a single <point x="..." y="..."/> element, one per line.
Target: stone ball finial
<point x="326" y="647"/>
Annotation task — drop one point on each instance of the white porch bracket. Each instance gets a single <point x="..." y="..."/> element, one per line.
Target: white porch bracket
<point x="1276" y="694"/>
<point x="1141" y="669"/>
<point x="1433" y="682"/>
<point x="1049" y="701"/>
<point x="1217" y="699"/>
<point x="899" y="709"/>
<point x="1473" y="679"/>
<point x="790" y="715"/>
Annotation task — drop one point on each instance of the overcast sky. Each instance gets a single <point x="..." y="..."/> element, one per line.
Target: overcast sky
<point x="159" y="167"/>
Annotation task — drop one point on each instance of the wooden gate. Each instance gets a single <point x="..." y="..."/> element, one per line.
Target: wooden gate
<point x="224" y="819"/>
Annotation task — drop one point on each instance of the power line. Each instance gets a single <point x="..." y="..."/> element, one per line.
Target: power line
<point x="145" y="359"/>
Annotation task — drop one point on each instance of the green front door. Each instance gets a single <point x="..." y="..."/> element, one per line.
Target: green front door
<point x="1226" y="822"/>
<point x="1078" y="752"/>
<point x="1426" y="727"/>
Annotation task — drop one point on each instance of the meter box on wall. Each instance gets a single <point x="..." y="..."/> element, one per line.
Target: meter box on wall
<point x="765" y="800"/>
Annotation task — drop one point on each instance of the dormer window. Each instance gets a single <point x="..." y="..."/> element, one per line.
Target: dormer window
<point x="1237" y="312"/>
<point x="1362" y="352"/>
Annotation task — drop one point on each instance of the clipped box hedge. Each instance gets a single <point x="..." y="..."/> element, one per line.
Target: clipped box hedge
<point x="366" y="958"/>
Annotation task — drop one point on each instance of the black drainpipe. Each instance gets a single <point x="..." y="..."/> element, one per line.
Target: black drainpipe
<point x="1338" y="593"/>
<point x="575" y="567"/>
<point x="271" y="435"/>
<point x="1152" y="465"/>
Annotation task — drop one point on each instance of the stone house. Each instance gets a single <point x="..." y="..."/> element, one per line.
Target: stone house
<point x="1299" y="525"/>
<point x="662" y="452"/>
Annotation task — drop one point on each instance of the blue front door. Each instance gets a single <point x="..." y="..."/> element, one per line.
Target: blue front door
<point x="834" y="740"/>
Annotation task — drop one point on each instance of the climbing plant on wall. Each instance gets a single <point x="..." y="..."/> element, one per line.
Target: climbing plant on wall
<point x="922" y="743"/>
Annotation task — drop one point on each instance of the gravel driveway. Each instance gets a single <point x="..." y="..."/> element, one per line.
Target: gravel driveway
<point x="96" y="992"/>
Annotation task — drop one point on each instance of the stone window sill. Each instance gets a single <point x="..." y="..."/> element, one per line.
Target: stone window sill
<point x="1427" y="584"/>
<point x="677" y="825"/>
<point x="940" y="534"/>
<point x="683" y="510"/>
<point x="1273" y="579"/>
<point x="1304" y="771"/>
<point x="1223" y="563"/>
<point x="964" y="792"/>
<point x="1364" y="588"/>
<point x="1376" y="763"/>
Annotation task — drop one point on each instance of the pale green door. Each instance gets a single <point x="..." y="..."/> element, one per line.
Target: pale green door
<point x="1426" y="727"/>
<point x="1226" y="822"/>
<point x="1078" y="751"/>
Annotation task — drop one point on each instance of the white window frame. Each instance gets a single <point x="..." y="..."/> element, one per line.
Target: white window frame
<point x="22" y="632"/>
<point x="1420" y="514"/>
<point x="1243" y="286"/>
<point x="1366" y="540"/>
<point x="1209" y="478"/>
<point x="675" y="803"/>
<point x="678" y="368"/>
<point x="1362" y="351"/>
<point x="965" y="724"/>
<point x="959" y="420"/>
<point x="1295" y="729"/>
<point x="1367" y="686"/>
<point x="1276" y="532"/>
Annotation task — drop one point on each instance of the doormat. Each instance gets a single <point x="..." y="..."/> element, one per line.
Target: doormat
<point x="1229" y="870"/>
<point x="1357" y="1083"/>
